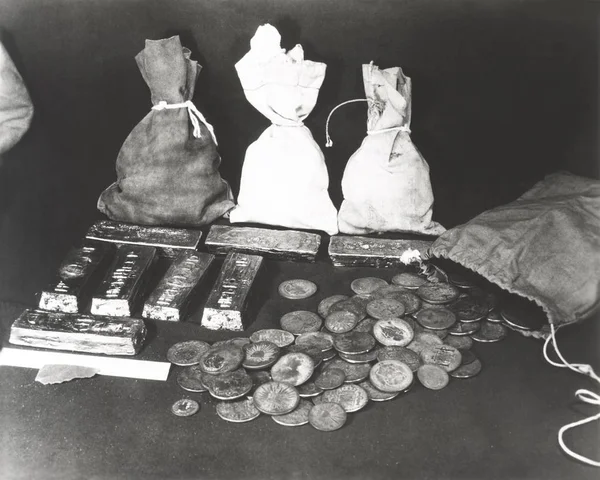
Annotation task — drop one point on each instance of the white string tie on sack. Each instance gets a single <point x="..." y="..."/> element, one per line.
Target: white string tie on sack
<point x="195" y="116"/>
<point x="584" y="395"/>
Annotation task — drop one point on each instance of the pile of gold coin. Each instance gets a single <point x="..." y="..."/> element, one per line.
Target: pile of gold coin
<point x="371" y="346"/>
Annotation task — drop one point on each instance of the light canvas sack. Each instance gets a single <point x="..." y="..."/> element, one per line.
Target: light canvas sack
<point x="386" y="183"/>
<point x="284" y="178"/>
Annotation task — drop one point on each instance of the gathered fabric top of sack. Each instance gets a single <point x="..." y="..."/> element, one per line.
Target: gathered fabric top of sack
<point x="386" y="184"/>
<point x="284" y="178"/>
<point x="168" y="167"/>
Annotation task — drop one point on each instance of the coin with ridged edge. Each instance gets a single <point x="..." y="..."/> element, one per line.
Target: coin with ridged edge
<point x="350" y="396"/>
<point x="327" y="417"/>
<point x="330" y="378"/>
<point x="281" y="338"/>
<point x="409" y="280"/>
<point x="190" y="379"/>
<point x="297" y="417"/>
<point x="301" y="321"/>
<point x="276" y="398"/>
<point x="185" y="407"/>
<point x="355" y="372"/>
<point x="309" y="389"/>
<point x="367" y="284"/>
<point x="384" y="308"/>
<point x="225" y="358"/>
<point x="341" y="321"/>
<point x="444" y="356"/>
<point x="297" y="289"/>
<point x="495" y="317"/>
<point x="391" y="376"/>
<point x="490" y="332"/>
<point x="467" y="371"/>
<point x="231" y="385"/>
<point x="438" y="293"/>
<point x="439" y="318"/>
<point x="259" y="355"/>
<point x="293" y="369"/>
<point x="375" y="394"/>
<point x="432" y="377"/>
<point x="393" y="331"/>
<point x="319" y="340"/>
<point x="326" y="304"/>
<point x="187" y="353"/>
<point x="354" y="343"/>
<point x="237" y="411"/>
<point x="402" y="354"/>
<point x="468" y="309"/>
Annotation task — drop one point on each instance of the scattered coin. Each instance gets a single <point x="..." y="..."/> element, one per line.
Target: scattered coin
<point x="276" y="398"/>
<point x="320" y="340"/>
<point x="438" y="318"/>
<point x="438" y="293"/>
<point x="258" y="378"/>
<point x="326" y="304"/>
<point x="225" y="358"/>
<point x="468" y="309"/>
<point x="187" y="353"/>
<point x="341" y="321"/>
<point x="362" y="299"/>
<point x="237" y="341"/>
<point x="185" y="407"/>
<point x="237" y="411"/>
<point x="327" y="417"/>
<point x="231" y="385"/>
<point x="366" y="325"/>
<point x="432" y="377"/>
<point x="352" y="305"/>
<point x="393" y="332"/>
<point x="350" y="396"/>
<point x="309" y="389"/>
<point x="259" y="355"/>
<point x="375" y="394"/>
<point x="495" y="317"/>
<point x="384" y="308"/>
<point x="190" y="379"/>
<point x="467" y="357"/>
<point x="355" y="372"/>
<point x="354" y="343"/>
<point x="391" y="376"/>
<point x="301" y="321"/>
<point x="460" y="328"/>
<point x="293" y="369"/>
<point x="409" y="280"/>
<point x="402" y="354"/>
<point x="523" y="314"/>
<point x="367" y="284"/>
<point x="461" y="343"/>
<point x="490" y="332"/>
<point x="330" y="378"/>
<point x="444" y="356"/>
<point x="281" y="338"/>
<point x="360" y="358"/>
<point x="467" y="371"/>
<point x="462" y="280"/>
<point x="297" y="289"/>
<point x="412" y="303"/>
<point x="297" y="417"/>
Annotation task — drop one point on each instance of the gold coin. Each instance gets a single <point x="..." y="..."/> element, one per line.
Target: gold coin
<point x="469" y="309"/>
<point x="432" y="377"/>
<point x="326" y="304"/>
<point x="276" y="398"/>
<point x="355" y="372"/>
<point x="375" y="394"/>
<point x="461" y="329"/>
<point x="185" y="407"/>
<point x="327" y="417"/>
<point x="409" y="280"/>
<point x="438" y="318"/>
<point x="297" y="289"/>
<point x="367" y="284"/>
<point x="391" y="376"/>
<point x="460" y="343"/>
<point x="438" y="293"/>
<point x="490" y="332"/>
<point x="281" y="338"/>
<point x="259" y="355"/>
<point x="341" y="321"/>
<point x="231" y="385"/>
<point x="225" y="358"/>
<point x="354" y="343"/>
<point x="320" y="340"/>
<point x="350" y="396"/>
<point x="402" y="354"/>
<point x="330" y="378"/>
<point x="301" y="321"/>
<point x="297" y="417"/>
<point x="190" y="379"/>
<point x="237" y="411"/>
<point x="444" y="356"/>
<point x="309" y="389"/>
<point x="467" y="371"/>
<point x="365" y="325"/>
<point x="353" y="305"/>
<point x="393" y="331"/>
<point x="360" y="357"/>
<point x="385" y="308"/>
<point x="293" y="369"/>
<point x="187" y="353"/>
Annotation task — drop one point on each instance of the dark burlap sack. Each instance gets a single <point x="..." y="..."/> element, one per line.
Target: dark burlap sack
<point x="167" y="168"/>
<point x="544" y="246"/>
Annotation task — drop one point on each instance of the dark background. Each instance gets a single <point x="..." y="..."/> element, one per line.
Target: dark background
<point x="504" y="92"/>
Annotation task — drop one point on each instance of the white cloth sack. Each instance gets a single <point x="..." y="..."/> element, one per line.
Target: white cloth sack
<point x="284" y="178"/>
<point x="386" y="183"/>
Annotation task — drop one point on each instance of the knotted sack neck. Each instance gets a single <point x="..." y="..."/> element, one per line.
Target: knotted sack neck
<point x="195" y="116"/>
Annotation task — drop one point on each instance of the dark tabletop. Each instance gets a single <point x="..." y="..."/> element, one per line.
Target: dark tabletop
<point x="501" y="424"/>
